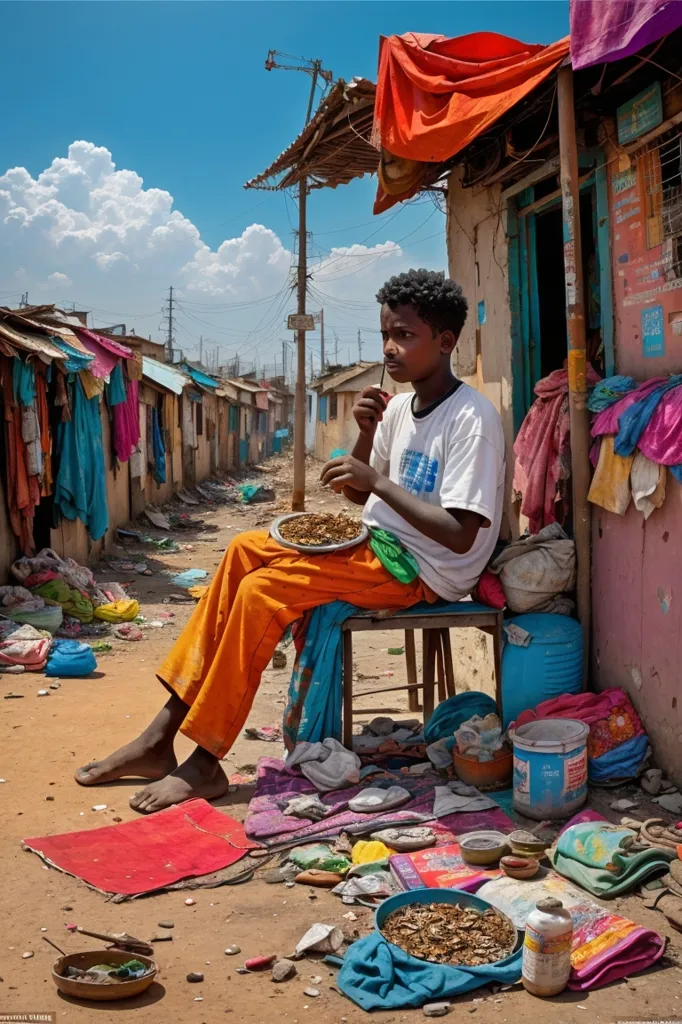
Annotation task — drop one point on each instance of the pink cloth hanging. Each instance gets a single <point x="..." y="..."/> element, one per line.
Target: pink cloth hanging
<point x="126" y="423"/>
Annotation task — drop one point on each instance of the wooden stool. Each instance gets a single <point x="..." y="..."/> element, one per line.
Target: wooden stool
<point x="436" y="622"/>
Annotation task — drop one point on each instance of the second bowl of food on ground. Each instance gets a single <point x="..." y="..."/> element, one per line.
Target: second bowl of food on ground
<point x="318" y="533"/>
<point x="483" y="848"/>
<point x="85" y="975"/>
<point x="447" y="926"/>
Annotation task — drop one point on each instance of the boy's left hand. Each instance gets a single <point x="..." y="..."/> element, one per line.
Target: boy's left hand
<point x="347" y="471"/>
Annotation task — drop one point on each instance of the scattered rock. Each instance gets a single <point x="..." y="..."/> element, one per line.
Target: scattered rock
<point x="194" y="977"/>
<point x="43" y="693"/>
<point x="312" y="992"/>
<point x="623" y="805"/>
<point x="161" y="938"/>
<point x="283" y="970"/>
<point x="55" y="686"/>
<point x="436" y="1009"/>
<point x="98" y="807"/>
<point x="279" y="659"/>
<point x="49" y="798"/>
<point x="2" y="780"/>
<point x="233" y="950"/>
<point x="652" y="780"/>
<point x="316" y="980"/>
<point x="189" y="902"/>
<point x="27" y="956"/>
<point x="670" y="802"/>
<point x="166" y="924"/>
<point x="67" y="907"/>
<point x="117" y="820"/>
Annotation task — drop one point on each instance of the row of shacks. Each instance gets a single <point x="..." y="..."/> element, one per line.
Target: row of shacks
<point x="97" y="426"/>
<point x="513" y="188"/>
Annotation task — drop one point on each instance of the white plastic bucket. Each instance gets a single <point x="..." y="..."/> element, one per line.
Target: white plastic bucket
<point x="550" y="767"/>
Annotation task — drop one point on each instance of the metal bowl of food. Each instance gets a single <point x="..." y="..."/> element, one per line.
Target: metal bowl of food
<point x="316" y="533"/>
<point x="447" y="926"/>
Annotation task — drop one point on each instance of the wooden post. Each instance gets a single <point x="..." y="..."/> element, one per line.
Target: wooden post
<point x="577" y="355"/>
<point x="298" y="495"/>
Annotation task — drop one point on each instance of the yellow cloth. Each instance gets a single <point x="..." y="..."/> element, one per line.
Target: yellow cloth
<point x="198" y="592"/>
<point x="118" y="611"/>
<point x="611" y="481"/>
<point x="368" y="852"/>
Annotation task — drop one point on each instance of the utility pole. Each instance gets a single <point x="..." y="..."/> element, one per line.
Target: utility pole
<point x="359" y="345"/>
<point x="284" y="362"/>
<point x="311" y="367"/>
<point x="315" y="70"/>
<point x="577" y="353"/>
<point x="322" y="359"/>
<point x="201" y="349"/>
<point x="170" y="337"/>
<point x="336" y="349"/>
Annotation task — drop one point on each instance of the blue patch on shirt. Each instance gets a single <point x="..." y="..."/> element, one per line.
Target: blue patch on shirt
<point x="418" y="473"/>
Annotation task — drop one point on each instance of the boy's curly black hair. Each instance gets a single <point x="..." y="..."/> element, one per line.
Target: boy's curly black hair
<point x="439" y="301"/>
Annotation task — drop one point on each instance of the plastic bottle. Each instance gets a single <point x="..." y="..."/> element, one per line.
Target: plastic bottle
<point x="546" y="962"/>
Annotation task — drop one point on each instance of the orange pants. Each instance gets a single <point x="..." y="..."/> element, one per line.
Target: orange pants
<point x="259" y="589"/>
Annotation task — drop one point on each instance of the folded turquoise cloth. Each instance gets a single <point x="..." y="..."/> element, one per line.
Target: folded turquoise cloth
<point x="595" y="855"/>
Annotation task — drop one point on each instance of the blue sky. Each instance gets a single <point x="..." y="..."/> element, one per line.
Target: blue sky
<point x="178" y="94"/>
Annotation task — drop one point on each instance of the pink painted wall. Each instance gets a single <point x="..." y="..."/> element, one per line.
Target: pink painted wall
<point x="637" y="565"/>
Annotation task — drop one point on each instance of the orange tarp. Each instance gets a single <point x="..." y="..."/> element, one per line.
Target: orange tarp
<point x="436" y="95"/>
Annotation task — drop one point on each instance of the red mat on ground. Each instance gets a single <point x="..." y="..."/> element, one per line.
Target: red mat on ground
<point x="150" y="853"/>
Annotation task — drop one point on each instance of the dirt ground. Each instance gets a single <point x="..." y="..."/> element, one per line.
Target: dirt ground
<point x="44" y="739"/>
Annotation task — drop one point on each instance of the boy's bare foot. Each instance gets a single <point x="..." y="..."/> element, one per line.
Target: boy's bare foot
<point x="141" y="759"/>
<point x="199" y="776"/>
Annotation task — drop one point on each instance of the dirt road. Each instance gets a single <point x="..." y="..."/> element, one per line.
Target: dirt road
<point x="44" y="739"/>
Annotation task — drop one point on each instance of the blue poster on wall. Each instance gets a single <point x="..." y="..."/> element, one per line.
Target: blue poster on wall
<point x="653" y="340"/>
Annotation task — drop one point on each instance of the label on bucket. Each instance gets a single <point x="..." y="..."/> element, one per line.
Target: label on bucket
<point x="575" y="773"/>
<point x="521" y="781"/>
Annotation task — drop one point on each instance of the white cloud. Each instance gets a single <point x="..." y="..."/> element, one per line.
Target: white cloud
<point x="86" y="232"/>
<point x="59" y="280"/>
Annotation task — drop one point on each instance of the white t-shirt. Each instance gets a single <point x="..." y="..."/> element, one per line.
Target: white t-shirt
<point x="450" y="455"/>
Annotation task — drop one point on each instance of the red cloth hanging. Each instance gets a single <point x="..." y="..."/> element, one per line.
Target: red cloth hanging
<point x="436" y="95"/>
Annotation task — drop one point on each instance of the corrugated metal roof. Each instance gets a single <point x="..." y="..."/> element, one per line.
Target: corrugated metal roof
<point x="245" y="385"/>
<point x="324" y="384"/>
<point x="38" y="344"/>
<point x="334" y="147"/>
<point x="164" y="375"/>
<point x="228" y="391"/>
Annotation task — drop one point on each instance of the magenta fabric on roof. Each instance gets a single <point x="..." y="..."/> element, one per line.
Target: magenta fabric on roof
<point x="106" y="352"/>
<point x="126" y="421"/>
<point x="603" y="31"/>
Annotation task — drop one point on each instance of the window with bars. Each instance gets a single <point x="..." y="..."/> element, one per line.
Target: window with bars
<point x="661" y="171"/>
<point x="333" y="405"/>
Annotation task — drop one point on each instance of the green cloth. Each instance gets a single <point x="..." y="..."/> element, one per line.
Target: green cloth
<point x="595" y="855"/>
<point x="72" y="601"/>
<point x="393" y="556"/>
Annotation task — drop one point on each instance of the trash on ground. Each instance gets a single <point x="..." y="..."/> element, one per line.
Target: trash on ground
<point x="268" y="733"/>
<point x="321" y="938"/>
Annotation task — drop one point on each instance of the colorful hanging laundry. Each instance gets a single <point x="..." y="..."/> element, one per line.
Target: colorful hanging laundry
<point x="22" y="491"/>
<point x="648" y="481"/>
<point x="609" y="391"/>
<point x="610" y="487"/>
<point x="80" y="488"/>
<point x="542" y="450"/>
<point x="126" y="423"/>
<point x="158" y="449"/>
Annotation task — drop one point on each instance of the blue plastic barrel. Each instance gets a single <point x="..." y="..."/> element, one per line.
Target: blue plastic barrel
<point x="550" y="767"/>
<point x="552" y="663"/>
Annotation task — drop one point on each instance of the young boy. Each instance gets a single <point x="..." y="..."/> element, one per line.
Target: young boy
<point x="428" y="467"/>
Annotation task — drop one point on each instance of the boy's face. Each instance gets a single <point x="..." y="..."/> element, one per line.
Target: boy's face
<point x="413" y="351"/>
